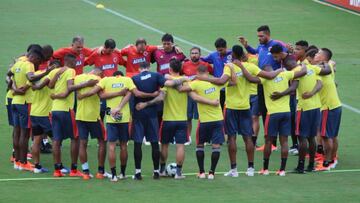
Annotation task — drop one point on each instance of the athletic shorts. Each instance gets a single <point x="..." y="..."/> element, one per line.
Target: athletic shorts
<point x="63" y="125"/>
<point x="278" y="124"/>
<point x="211" y="132"/>
<point x="95" y="129"/>
<point x="41" y="125"/>
<point x="117" y="132"/>
<point x="307" y="123"/>
<point x="21" y="115"/>
<point x="330" y="122"/>
<point x="192" y="112"/>
<point x="173" y="130"/>
<point x="238" y="122"/>
<point x="145" y="127"/>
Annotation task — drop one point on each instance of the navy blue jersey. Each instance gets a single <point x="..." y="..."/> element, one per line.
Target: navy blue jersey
<point x="147" y="82"/>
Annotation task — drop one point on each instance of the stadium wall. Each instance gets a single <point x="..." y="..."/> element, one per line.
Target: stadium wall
<point x="351" y="5"/>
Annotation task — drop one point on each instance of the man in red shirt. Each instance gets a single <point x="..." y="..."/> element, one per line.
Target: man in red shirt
<point x="189" y="68"/>
<point x="77" y="48"/>
<point x="107" y="59"/>
<point x="135" y="54"/>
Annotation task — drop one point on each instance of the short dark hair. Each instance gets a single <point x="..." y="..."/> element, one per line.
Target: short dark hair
<point x="197" y="48"/>
<point x="47" y="51"/>
<point x="327" y="52"/>
<point x="78" y="39"/>
<point x="175" y="65"/>
<point x="140" y="41"/>
<point x="144" y="65"/>
<point x="302" y="43"/>
<point x="110" y="44"/>
<point x="36" y="53"/>
<point x="220" y="43"/>
<point x="312" y="47"/>
<point x="311" y="53"/>
<point x="238" y="51"/>
<point x="116" y="73"/>
<point x="167" y="38"/>
<point x="55" y="62"/>
<point x="69" y="57"/>
<point x="202" y="69"/>
<point x="33" y="47"/>
<point x="264" y="28"/>
<point x="276" y="49"/>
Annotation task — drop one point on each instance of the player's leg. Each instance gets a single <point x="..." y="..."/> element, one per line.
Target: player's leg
<point x="70" y="131"/>
<point x="217" y="139"/>
<point x="113" y="133"/>
<point x="313" y="127"/>
<point x="284" y="132"/>
<point x="83" y="131"/>
<point x="180" y="139"/>
<point x="165" y="133"/>
<point x="231" y="129"/>
<point x="301" y="130"/>
<point x="98" y="131"/>
<point x="294" y="138"/>
<point x="41" y="127"/>
<point x="336" y="114"/>
<point x="270" y="132"/>
<point x="24" y="135"/>
<point x="254" y="108"/>
<point x="57" y="139"/>
<point x="246" y="131"/>
<point x="200" y="153"/>
<point x="138" y="136"/>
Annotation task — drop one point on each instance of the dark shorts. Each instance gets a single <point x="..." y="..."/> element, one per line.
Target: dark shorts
<point x="307" y="123"/>
<point x="278" y="124"/>
<point x="95" y="129"/>
<point x="254" y="105"/>
<point x="9" y="112"/>
<point x="211" y="132"/>
<point x="145" y="127"/>
<point x="173" y="130"/>
<point x="238" y="122"/>
<point x="222" y="99"/>
<point x="192" y="112"/>
<point x="117" y="132"/>
<point x="330" y="122"/>
<point x="21" y="115"/>
<point x="102" y="108"/>
<point x="63" y="125"/>
<point x="41" y="125"/>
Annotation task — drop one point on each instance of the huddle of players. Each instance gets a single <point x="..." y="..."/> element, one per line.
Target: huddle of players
<point x="106" y="91"/>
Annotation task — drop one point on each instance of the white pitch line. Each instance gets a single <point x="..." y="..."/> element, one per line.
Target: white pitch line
<point x="353" y="109"/>
<point x="337" y="7"/>
<point x="27" y="179"/>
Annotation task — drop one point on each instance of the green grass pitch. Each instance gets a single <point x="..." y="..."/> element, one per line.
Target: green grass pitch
<point x="55" y="22"/>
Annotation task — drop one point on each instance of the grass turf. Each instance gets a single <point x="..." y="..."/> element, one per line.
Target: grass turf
<point x="56" y="22"/>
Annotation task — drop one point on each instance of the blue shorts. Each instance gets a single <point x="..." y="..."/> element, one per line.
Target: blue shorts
<point x="278" y="124"/>
<point x="145" y="127"/>
<point x="9" y="112"/>
<point x="254" y="105"/>
<point x="170" y="130"/>
<point x="117" y="132"/>
<point x="192" y="112"/>
<point x="307" y="123"/>
<point x="63" y="125"/>
<point x="211" y="132"/>
<point x="238" y="122"/>
<point x="21" y="115"/>
<point x="41" y="125"/>
<point x="95" y="129"/>
<point x="330" y="122"/>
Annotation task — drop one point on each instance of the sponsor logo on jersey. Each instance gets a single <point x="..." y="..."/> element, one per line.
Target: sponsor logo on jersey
<point x="117" y="85"/>
<point x="144" y="77"/>
<point x="108" y="66"/>
<point x="138" y="60"/>
<point x="210" y="90"/>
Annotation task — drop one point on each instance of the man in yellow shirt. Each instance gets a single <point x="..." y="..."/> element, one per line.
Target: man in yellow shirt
<point x="278" y="119"/>
<point x="238" y="118"/>
<point x="22" y="72"/>
<point x="63" y="117"/>
<point x="330" y="111"/>
<point x="174" y="120"/>
<point x="88" y="122"/>
<point x="39" y="115"/>
<point x="210" y="128"/>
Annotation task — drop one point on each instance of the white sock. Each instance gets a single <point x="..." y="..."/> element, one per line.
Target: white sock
<point x="137" y="171"/>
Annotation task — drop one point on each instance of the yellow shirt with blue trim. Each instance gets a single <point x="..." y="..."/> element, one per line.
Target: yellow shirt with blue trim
<point x="41" y="101"/>
<point x="279" y="84"/>
<point x="20" y="70"/>
<point x="175" y="104"/>
<point x="116" y="84"/>
<point x="207" y="113"/>
<point x="307" y="84"/>
<point x="88" y="109"/>
<point x="67" y="103"/>
<point x="238" y="96"/>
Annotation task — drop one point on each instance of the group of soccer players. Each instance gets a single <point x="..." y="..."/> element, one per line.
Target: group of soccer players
<point x="292" y="88"/>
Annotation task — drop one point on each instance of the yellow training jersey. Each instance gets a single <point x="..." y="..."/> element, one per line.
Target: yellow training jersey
<point x="41" y="101"/>
<point x="9" y="95"/>
<point x="238" y="96"/>
<point x="278" y="84"/>
<point x="207" y="113"/>
<point x="64" y="104"/>
<point x="20" y="70"/>
<point x="307" y="84"/>
<point x="175" y="104"/>
<point x="116" y="84"/>
<point x="88" y="109"/>
<point x="328" y="94"/>
<point x="253" y="59"/>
